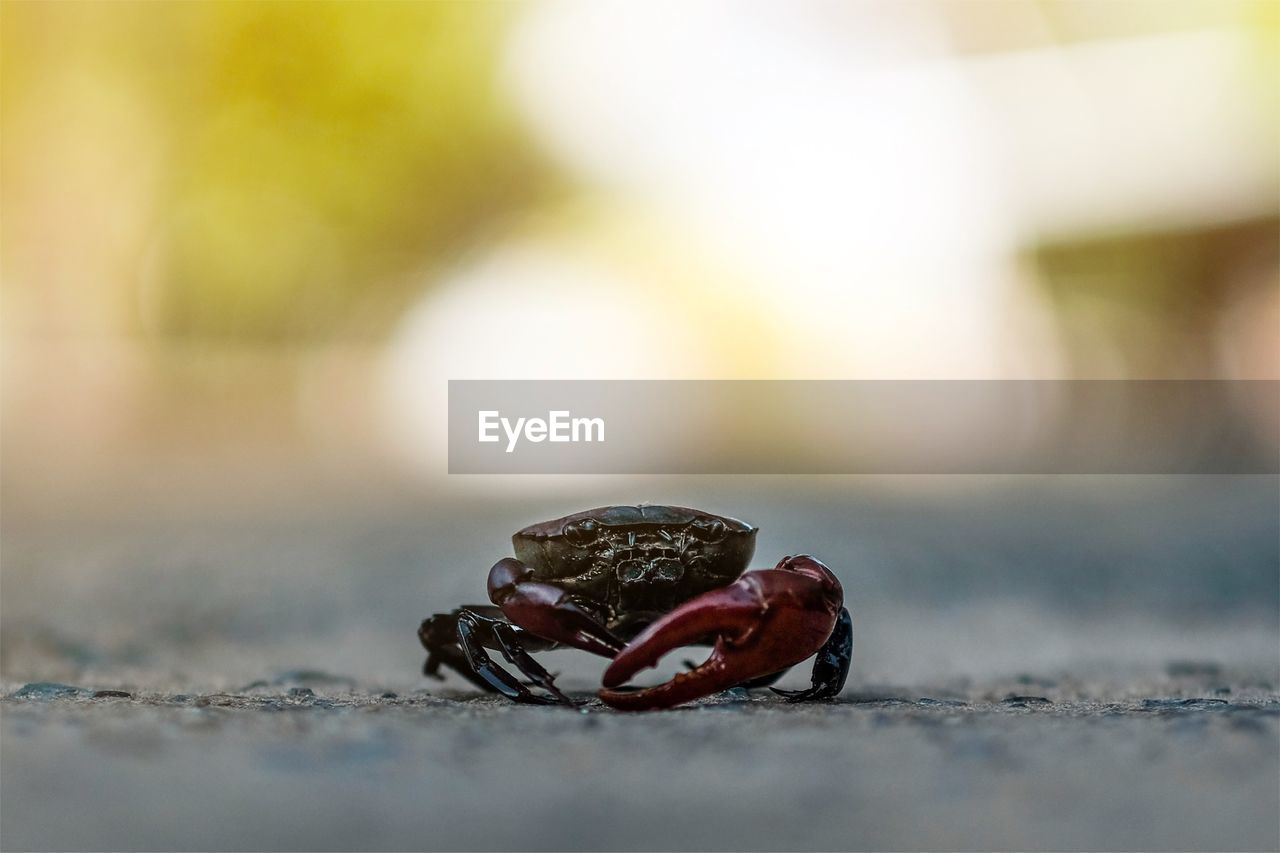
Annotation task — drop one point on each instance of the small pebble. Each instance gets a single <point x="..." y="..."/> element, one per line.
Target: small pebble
<point x="1182" y="703"/>
<point x="47" y="690"/>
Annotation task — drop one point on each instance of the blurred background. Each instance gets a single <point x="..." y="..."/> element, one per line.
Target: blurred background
<point x="244" y="246"/>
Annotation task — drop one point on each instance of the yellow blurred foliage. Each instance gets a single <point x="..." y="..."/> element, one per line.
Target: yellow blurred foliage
<point x="281" y="163"/>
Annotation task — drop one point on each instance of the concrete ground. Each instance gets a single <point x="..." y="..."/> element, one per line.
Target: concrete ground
<point x="1070" y="664"/>
<point x="333" y="767"/>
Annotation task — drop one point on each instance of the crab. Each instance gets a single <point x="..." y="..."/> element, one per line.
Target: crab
<point x="632" y="583"/>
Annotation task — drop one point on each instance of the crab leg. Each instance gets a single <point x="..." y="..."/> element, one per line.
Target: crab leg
<point x="830" y="667"/>
<point x="765" y="621"/>
<point x="447" y="636"/>
<point x="547" y="611"/>
<point x="498" y="678"/>
<point x="439" y="636"/>
<point x="505" y="635"/>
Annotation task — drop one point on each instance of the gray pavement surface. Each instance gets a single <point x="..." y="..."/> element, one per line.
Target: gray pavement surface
<point x="1087" y="663"/>
<point x="330" y="766"/>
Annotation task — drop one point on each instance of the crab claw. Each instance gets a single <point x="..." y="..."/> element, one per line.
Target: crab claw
<point x="762" y="623"/>
<point x="546" y="610"/>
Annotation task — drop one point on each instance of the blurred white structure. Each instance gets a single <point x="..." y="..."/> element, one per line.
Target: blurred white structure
<point x="852" y="193"/>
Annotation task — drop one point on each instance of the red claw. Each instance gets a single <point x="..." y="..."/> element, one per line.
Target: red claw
<point x="546" y="610"/>
<point x="764" y="622"/>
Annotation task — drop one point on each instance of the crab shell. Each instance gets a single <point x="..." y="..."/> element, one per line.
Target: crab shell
<point x="634" y="559"/>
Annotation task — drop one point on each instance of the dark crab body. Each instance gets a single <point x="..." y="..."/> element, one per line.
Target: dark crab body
<point x="634" y="582"/>
<point x="632" y="564"/>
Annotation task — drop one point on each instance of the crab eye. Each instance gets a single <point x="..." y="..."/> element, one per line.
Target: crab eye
<point x="709" y="529"/>
<point x="581" y="533"/>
